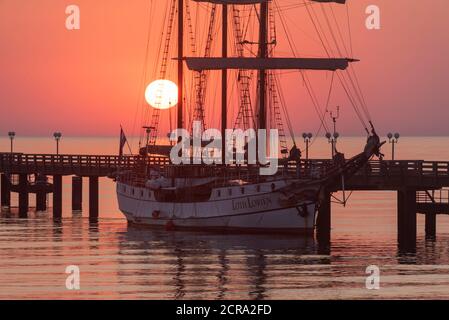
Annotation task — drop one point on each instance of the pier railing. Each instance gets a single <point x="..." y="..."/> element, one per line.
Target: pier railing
<point x="433" y="196"/>
<point x="426" y="175"/>
<point x="100" y="165"/>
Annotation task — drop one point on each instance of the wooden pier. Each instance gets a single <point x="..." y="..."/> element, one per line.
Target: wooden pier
<point x="419" y="185"/>
<point x="19" y="173"/>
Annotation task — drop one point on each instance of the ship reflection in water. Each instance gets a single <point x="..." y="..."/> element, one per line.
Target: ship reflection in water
<point x="219" y="266"/>
<point x="124" y="262"/>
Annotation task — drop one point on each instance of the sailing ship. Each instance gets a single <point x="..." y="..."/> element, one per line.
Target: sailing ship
<point x="234" y="197"/>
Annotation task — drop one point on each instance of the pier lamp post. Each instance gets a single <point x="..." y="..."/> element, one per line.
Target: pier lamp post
<point x="307" y="138"/>
<point x="57" y="136"/>
<point x="332" y="139"/>
<point x="11" y="135"/>
<point x="393" y="139"/>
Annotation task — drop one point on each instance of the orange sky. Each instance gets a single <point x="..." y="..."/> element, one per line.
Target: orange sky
<point x="86" y="82"/>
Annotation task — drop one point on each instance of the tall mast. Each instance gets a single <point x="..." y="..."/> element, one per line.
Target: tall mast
<point x="180" y="61"/>
<point x="224" y="81"/>
<point x="262" y="73"/>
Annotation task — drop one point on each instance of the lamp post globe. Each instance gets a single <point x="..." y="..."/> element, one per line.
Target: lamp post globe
<point x="12" y="135"/>
<point x="307" y="137"/>
<point x="57" y="136"/>
<point x="393" y="139"/>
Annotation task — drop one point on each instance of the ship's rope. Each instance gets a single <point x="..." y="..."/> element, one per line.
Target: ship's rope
<point x="306" y="80"/>
<point x="355" y="84"/>
<point x="140" y="106"/>
<point x="325" y="43"/>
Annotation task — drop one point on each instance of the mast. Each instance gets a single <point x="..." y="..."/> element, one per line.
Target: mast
<point x="224" y="81"/>
<point x="180" y="61"/>
<point x="262" y="73"/>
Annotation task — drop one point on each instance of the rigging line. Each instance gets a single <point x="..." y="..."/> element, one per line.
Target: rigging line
<point x="358" y="95"/>
<point x="352" y="69"/>
<point x="303" y="74"/>
<point x="361" y="92"/>
<point x="146" y="112"/>
<point x="331" y="30"/>
<point x="339" y="31"/>
<point x="138" y="104"/>
<point x="349" y="29"/>
<point x="284" y="108"/>
<point x="163" y="72"/>
<point x="323" y="38"/>
<point x="330" y="91"/>
<point x="314" y="100"/>
<point x="341" y="81"/>
<point x="357" y="90"/>
<point x="321" y="35"/>
<point x="144" y="80"/>
<point x="318" y="131"/>
<point x="353" y="104"/>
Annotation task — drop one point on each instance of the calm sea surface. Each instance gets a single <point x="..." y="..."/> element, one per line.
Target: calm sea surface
<point x="121" y="262"/>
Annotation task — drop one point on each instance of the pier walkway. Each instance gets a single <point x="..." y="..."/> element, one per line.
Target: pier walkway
<point x="419" y="184"/>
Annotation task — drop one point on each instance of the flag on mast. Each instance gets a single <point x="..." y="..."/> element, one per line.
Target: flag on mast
<point x="123" y="140"/>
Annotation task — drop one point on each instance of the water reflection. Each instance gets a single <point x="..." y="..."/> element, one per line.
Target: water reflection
<point x="120" y="261"/>
<point x="216" y="265"/>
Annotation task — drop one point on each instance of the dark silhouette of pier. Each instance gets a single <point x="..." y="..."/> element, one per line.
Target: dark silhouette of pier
<point x="27" y="173"/>
<point x="419" y="185"/>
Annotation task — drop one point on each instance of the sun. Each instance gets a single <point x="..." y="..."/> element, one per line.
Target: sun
<point x="162" y="94"/>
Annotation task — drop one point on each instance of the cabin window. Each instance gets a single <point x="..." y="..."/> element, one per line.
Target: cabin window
<point x="258" y="188"/>
<point x="243" y="190"/>
<point x="230" y="192"/>
<point x="218" y="193"/>
<point x="141" y="193"/>
<point x="273" y="186"/>
<point x="132" y="191"/>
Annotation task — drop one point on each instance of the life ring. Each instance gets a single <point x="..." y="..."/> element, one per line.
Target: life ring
<point x="156" y="214"/>
<point x="170" y="226"/>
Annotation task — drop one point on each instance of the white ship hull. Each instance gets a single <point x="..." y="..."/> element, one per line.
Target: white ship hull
<point x="249" y="208"/>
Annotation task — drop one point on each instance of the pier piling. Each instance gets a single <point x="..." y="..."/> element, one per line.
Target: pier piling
<point x="406" y="213"/>
<point x="93" y="198"/>
<point x="324" y="220"/>
<point x="41" y="201"/>
<point x="23" y="195"/>
<point x="57" y="197"/>
<point x="5" y="186"/>
<point x="77" y="193"/>
<point x="431" y="225"/>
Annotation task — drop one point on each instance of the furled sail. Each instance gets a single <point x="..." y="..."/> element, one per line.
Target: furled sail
<point x="198" y="64"/>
